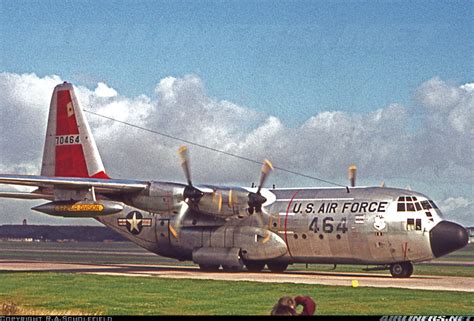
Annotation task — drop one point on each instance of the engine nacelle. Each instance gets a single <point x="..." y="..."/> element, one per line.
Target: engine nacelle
<point x="224" y="202"/>
<point x="218" y="201"/>
<point x="229" y="245"/>
<point x="165" y="198"/>
<point x="218" y="256"/>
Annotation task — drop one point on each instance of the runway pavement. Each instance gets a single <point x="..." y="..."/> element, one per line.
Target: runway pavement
<point x="438" y="283"/>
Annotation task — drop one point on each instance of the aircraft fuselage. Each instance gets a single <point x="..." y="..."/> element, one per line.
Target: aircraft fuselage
<point x="372" y="225"/>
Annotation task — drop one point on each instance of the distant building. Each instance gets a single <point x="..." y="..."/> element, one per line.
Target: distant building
<point x="24" y="222"/>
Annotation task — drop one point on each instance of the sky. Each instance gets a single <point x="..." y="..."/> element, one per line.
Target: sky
<point x="312" y="85"/>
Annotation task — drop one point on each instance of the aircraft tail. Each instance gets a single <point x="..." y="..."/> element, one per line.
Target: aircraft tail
<point x="70" y="149"/>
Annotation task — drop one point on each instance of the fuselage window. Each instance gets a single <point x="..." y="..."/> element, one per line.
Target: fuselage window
<point x="429" y="216"/>
<point x="418" y="224"/>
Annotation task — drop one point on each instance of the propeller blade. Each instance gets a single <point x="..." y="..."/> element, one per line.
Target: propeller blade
<point x="352" y="175"/>
<point x="259" y="218"/>
<point x="183" y="154"/>
<point x="217" y="200"/>
<point x="267" y="167"/>
<point x="179" y="219"/>
<point x="219" y="204"/>
<point x="233" y="198"/>
<point x="262" y="219"/>
<point x="256" y="199"/>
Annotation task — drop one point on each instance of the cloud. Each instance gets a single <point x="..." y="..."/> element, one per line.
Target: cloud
<point x="388" y="143"/>
<point x="24" y="103"/>
<point x="460" y="209"/>
<point x="104" y="91"/>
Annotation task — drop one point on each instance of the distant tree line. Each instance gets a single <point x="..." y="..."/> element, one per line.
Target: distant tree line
<point x="59" y="233"/>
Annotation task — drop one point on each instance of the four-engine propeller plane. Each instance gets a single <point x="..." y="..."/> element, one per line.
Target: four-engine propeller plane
<point x="234" y="227"/>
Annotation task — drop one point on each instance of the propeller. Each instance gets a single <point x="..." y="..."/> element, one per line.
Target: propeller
<point x="255" y="198"/>
<point x="191" y="194"/>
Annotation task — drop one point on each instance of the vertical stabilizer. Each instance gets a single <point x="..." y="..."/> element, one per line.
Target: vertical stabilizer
<point x="70" y="149"/>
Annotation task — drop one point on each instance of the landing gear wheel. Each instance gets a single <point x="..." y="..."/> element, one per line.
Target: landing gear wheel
<point x="228" y="268"/>
<point x="209" y="267"/>
<point x="401" y="270"/>
<point x="254" y="266"/>
<point x="277" y="266"/>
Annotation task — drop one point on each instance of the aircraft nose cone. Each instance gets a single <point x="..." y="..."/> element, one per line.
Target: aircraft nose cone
<point x="447" y="237"/>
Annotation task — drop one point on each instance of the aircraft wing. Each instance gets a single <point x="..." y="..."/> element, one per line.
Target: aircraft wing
<point x="25" y="195"/>
<point x="109" y="186"/>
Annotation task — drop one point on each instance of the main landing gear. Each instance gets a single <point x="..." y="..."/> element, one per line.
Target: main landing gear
<point x="257" y="266"/>
<point x="209" y="267"/>
<point x="277" y="267"/>
<point x="252" y="266"/>
<point x="401" y="270"/>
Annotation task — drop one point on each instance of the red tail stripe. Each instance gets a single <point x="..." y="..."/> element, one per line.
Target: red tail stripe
<point x="101" y="174"/>
<point x="65" y="125"/>
<point x="70" y="160"/>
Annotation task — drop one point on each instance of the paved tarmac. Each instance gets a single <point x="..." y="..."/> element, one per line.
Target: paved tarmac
<point x="424" y="282"/>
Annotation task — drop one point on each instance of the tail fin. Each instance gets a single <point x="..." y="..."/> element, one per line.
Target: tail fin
<point x="70" y="149"/>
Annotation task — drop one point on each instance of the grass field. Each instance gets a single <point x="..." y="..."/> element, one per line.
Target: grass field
<point x="59" y="293"/>
<point x="68" y="293"/>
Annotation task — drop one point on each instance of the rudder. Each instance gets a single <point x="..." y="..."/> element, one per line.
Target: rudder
<point x="70" y="149"/>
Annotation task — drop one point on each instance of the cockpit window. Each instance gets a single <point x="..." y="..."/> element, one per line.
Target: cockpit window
<point x="401" y="207"/>
<point x="426" y="205"/>
<point x="411" y="204"/>
<point x="433" y="204"/>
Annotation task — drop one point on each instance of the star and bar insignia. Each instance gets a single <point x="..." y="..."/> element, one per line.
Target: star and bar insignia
<point x="134" y="222"/>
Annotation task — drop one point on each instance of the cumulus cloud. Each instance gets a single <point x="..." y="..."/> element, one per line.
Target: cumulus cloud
<point x="24" y="103"/>
<point x="383" y="143"/>
<point x="104" y="91"/>
<point x="460" y="209"/>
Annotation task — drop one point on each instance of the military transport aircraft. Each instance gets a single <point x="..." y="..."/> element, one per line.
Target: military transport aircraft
<point x="234" y="227"/>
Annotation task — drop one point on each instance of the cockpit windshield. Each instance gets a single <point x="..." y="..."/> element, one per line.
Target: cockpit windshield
<point x="433" y="204"/>
<point x="412" y="204"/>
<point x="426" y="205"/>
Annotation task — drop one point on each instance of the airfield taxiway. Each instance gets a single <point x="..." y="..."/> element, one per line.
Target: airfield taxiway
<point x="425" y="282"/>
